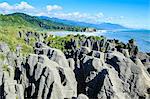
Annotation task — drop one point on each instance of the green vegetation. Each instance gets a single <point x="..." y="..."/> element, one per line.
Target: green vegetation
<point x="9" y="35"/>
<point x="22" y="20"/>
<point x="6" y="68"/>
<point x="60" y="42"/>
<point x="2" y="57"/>
<point x="17" y="97"/>
<point x="11" y="24"/>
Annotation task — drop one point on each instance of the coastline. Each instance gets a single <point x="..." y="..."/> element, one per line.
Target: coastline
<point x="123" y="36"/>
<point x="73" y="64"/>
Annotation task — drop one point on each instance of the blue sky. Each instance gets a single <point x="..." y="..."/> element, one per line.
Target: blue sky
<point x="131" y="13"/>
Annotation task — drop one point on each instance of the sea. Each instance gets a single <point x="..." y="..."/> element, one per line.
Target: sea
<point x="142" y="37"/>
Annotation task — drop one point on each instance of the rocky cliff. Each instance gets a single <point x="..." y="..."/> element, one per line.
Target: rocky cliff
<point x="87" y="69"/>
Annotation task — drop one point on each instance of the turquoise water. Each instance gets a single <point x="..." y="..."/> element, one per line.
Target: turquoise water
<point x="142" y="37"/>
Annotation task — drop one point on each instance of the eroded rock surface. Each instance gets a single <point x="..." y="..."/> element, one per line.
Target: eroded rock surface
<point x="88" y="69"/>
<point x="38" y="77"/>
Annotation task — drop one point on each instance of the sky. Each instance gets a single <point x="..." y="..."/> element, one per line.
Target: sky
<point x="130" y="13"/>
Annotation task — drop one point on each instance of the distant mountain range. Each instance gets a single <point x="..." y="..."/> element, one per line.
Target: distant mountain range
<point x="24" y="20"/>
<point x="43" y="22"/>
<point x="105" y="26"/>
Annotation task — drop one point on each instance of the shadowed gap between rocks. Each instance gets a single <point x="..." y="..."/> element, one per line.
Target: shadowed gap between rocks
<point x="96" y="84"/>
<point x="113" y="62"/>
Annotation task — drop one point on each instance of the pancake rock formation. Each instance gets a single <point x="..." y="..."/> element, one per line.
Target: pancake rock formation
<point x="87" y="69"/>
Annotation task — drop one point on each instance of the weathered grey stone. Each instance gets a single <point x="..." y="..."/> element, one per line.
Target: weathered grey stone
<point x="85" y="50"/>
<point x="53" y="54"/>
<point x="51" y="81"/>
<point x="125" y="52"/>
<point x="87" y="43"/>
<point x="32" y="61"/>
<point x="128" y="70"/>
<point x="11" y="57"/>
<point x="82" y="96"/>
<point x="91" y="64"/>
<point x="49" y="74"/>
<point x="71" y="63"/>
<point x="33" y="89"/>
<point x="41" y="87"/>
<point x="4" y="47"/>
<point x="38" y="71"/>
<point x="99" y="54"/>
<point x="19" y="91"/>
<point x="96" y="46"/>
<point x="57" y="56"/>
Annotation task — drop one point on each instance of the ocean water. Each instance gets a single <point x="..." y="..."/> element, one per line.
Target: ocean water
<point x="142" y="37"/>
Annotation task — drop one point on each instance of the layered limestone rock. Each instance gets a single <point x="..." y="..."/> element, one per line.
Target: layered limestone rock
<point x="87" y="69"/>
<point x="38" y="77"/>
<point x="118" y="78"/>
<point x="130" y="75"/>
<point x="47" y="79"/>
<point x="115" y="74"/>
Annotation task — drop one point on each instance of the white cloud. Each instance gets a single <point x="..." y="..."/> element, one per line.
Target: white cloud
<point x="53" y="7"/>
<point x="122" y="17"/>
<point x="71" y="16"/>
<point x="22" y="6"/>
<point x="48" y="11"/>
<point x="27" y="8"/>
<point x="5" y="6"/>
<point x="76" y="16"/>
<point x="100" y="15"/>
<point x="109" y="19"/>
<point x="41" y="14"/>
